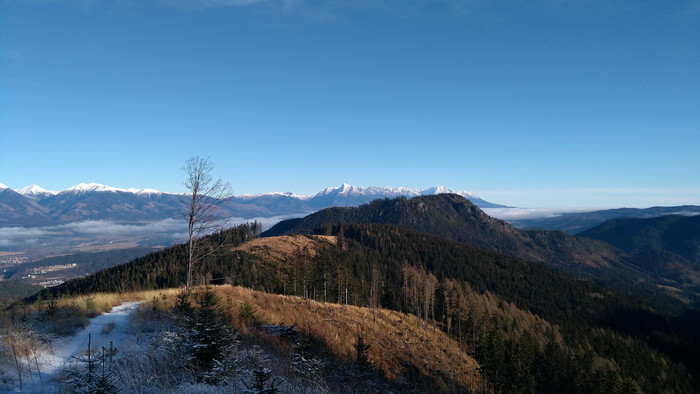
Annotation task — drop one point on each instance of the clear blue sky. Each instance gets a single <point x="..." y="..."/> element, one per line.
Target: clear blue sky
<point x="546" y="103"/>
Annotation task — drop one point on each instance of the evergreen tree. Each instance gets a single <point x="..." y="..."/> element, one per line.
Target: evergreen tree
<point x="305" y="360"/>
<point x="96" y="376"/>
<point x="209" y="339"/>
<point x="260" y="386"/>
<point x="361" y="350"/>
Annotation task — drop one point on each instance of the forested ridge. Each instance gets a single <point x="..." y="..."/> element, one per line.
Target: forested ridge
<point x="534" y="330"/>
<point x="672" y="233"/>
<point x="11" y="290"/>
<point x="596" y="323"/>
<point x="454" y="217"/>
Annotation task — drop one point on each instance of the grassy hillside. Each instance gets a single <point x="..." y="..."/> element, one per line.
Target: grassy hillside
<point x="398" y="343"/>
<point x="402" y="348"/>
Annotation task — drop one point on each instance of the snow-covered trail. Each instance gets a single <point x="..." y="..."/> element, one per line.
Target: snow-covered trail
<point x="102" y="329"/>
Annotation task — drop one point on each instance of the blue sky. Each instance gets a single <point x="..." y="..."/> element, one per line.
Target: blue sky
<point x="548" y="103"/>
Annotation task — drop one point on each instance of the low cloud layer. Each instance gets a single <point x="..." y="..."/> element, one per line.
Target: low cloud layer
<point x="108" y="227"/>
<point x="171" y="228"/>
<point x="527" y="213"/>
<point x="91" y="227"/>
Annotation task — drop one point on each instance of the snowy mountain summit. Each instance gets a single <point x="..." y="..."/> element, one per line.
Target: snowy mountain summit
<point x="33" y="205"/>
<point x="347" y="195"/>
<point x="98" y="187"/>
<point x="348" y="190"/>
<point x="35" y="192"/>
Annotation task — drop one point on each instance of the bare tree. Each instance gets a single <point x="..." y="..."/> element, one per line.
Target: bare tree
<point x="204" y="213"/>
<point x="374" y="291"/>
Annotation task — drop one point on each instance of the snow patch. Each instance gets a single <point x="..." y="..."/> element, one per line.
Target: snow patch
<point x="148" y="191"/>
<point x="33" y="189"/>
<point x="92" y="187"/>
<point x="104" y="328"/>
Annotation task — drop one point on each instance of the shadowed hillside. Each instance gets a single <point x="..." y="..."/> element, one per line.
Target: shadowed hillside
<point x="453" y="217"/>
<point x="672" y="233"/>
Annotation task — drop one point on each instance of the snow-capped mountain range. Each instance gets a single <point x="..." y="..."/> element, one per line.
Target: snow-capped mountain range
<point x="35" y="192"/>
<point x="32" y="205"/>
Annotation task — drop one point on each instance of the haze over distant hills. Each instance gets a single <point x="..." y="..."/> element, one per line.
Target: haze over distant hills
<point x="35" y="206"/>
<point x="576" y="222"/>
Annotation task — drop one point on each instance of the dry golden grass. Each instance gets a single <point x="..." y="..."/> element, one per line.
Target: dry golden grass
<point x="394" y="338"/>
<point x="103" y="302"/>
<point x="278" y="248"/>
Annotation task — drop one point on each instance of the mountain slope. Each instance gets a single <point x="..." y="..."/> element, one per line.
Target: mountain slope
<point x="399" y="344"/>
<point x="673" y="233"/>
<point x="454" y="217"/>
<point x="576" y="222"/>
<point x="94" y="201"/>
<point x="487" y="298"/>
<point x="18" y="210"/>
<point x="97" y="203"/>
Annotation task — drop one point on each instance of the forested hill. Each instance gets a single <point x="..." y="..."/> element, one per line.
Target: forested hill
<point x="454" y="217"/>
<point x="482" y="298"/>
<point x="577" y="222"/>
<point x="654" y="277"/>
<point x="673" y="233"/>
<point x="359" y="249"/>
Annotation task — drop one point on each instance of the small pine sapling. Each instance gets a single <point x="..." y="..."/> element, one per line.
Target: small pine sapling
<point x="361" y="349"/>
<point x="208" y="339"/>
<point x="92" y="378"/>
<point x="260" y="383"/>
<point x="304" y="360"/>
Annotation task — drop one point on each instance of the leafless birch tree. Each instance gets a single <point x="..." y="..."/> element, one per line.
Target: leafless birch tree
<point x="204" y="213"/>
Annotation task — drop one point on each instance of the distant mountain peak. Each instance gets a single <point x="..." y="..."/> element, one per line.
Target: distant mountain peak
<point x="436" y="190"/>
<point x="98" y="187"/>
<point x="2" y="186"/>
<point x="97" y="201"/>
<point x="34" y="189"/>
<point x="35" y="192"/>
<point x="89" y="187"/>
<point x="346" y="190"/>
<point x="273" y="193"/>
<point x="148" y="191"/>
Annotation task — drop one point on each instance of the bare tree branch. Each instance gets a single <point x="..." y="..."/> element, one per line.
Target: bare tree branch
<point x="205" y="213"/>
